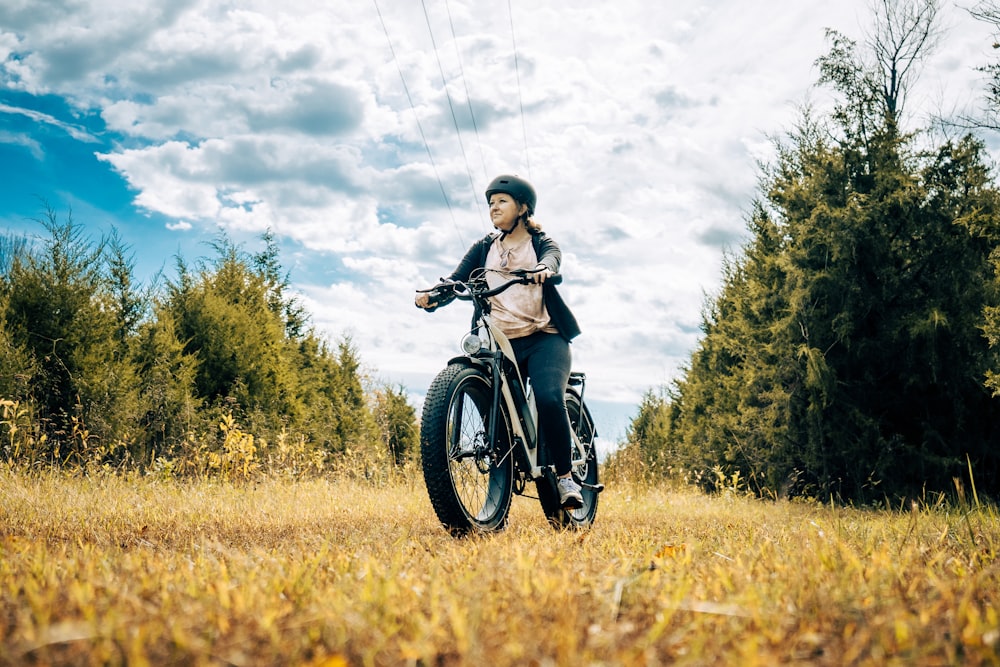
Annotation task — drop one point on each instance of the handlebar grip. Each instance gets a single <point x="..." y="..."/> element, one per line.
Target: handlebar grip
<point x="439" y="297"/>
<point x="528" y="277"/>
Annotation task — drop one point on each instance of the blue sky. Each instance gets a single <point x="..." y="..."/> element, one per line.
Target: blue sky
<point x="48" y="152"/>
<point x="641" y="125"/>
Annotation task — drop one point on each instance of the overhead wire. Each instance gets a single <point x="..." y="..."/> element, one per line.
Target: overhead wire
<point x="420" y="127"/>
<point x="451" y="105"/>
<point x="468" y="95"/>
<point x="520" y="98"/>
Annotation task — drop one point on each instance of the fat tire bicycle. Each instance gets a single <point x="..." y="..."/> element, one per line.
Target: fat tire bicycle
<point x="479" y="438"/>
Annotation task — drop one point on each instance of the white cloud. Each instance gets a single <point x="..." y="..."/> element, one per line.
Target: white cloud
<point x="26" y="142"/>
<point x="73" y="131"/>
<point x="642" y="126"/>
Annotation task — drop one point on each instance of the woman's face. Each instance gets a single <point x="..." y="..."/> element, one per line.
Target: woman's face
<point x="504" y="211"/>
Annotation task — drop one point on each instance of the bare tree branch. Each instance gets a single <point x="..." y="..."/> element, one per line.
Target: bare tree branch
<point x="904" y="33"/>
<point x="989" y="12"/>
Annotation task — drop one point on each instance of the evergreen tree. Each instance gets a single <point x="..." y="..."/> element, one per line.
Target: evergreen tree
<point x="11" y="247"/>
<point x="397" y="423"/>
<point x="648" y="434"/>
<point x="100" y="365"/>
<point x="230" y="318"/>
<point x="167" y="388"/>
<point x="354" y="421"/>
<point x="254" y="354"/>
<point x="844" y="353"/>
<point x="17" y="365"/>
<point x="62" y="322"/>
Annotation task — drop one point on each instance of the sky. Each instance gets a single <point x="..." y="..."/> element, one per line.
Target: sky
<point x="363" y="134"/>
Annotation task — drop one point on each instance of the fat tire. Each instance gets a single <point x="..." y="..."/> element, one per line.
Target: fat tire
<point x="469" y="487"/>
<point x="561" y="519"/>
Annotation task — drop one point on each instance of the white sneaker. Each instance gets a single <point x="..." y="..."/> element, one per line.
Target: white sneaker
<point x="569" y="493"/>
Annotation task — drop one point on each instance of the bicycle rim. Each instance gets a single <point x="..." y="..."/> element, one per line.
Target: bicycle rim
<point x="480" y="475"/>
<point x="469" y="482"/>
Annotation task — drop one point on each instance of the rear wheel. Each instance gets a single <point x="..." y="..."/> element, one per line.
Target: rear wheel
<point x="583" y="448"/>
<point x="468" y="480"/>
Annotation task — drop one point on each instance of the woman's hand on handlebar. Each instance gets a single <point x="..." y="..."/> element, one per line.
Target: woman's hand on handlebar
<point x="540" y="274"/>
<point x="423" y="300"/>
<point x="432" y="298"/>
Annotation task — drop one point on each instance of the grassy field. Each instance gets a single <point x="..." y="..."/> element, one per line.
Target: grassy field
<point x="110" y="571"/>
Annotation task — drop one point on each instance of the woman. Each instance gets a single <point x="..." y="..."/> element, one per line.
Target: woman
<point x="534" y="317"/>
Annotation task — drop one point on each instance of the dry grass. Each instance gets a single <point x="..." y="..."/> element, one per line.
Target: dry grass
<point x="106" y="570"/>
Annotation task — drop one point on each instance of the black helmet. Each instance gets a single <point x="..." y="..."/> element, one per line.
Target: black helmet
<point x="516" y="187"/>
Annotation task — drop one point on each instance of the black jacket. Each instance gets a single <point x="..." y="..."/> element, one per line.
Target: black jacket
<point x="548" y="253"/>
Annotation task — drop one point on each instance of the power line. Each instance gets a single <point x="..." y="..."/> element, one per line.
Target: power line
<point x="520" y="99"/>
<point x="468" y="95"/>
<point x="451" y="106"/>
<point x="420" y="127"/>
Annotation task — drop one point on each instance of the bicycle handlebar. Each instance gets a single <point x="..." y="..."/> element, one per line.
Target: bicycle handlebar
<point x="524" y="279"/>
<point x="467" y="290"/>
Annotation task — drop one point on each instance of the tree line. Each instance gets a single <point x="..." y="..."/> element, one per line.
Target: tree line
<point x="853" y="349"/>
<point x="94" y="365"/>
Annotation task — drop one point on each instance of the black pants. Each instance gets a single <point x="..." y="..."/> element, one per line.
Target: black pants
<point x="546" y="360"/>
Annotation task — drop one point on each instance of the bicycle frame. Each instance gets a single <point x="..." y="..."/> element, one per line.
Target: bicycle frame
<point x="495" y="349"/>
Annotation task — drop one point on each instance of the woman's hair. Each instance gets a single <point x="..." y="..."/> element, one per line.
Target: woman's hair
<point x="529" y="221"/>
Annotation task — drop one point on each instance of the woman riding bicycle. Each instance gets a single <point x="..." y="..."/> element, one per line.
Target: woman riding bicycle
<point x="534" y="317"/>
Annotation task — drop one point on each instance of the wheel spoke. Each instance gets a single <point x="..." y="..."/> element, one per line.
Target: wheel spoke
<point x="455" y="426"/>
<point x="470" y="487"/>
<point x="585" y="472"/>
<point x="472" y="468"/>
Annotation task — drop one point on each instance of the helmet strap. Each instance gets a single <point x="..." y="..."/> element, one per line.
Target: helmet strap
<point x="520" y="220"/>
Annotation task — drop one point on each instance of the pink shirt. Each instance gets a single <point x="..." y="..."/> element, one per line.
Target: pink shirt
<point x="519" y="311"/>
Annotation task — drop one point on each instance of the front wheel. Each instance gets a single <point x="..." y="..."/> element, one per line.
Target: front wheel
<point x="469" y="479"/>
<point x="584" y="447"/>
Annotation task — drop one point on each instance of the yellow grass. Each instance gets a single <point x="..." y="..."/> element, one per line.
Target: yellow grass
<point x="105" y="570"/>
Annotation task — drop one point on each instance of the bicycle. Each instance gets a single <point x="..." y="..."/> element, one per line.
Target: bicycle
<point x="479" y="438"/>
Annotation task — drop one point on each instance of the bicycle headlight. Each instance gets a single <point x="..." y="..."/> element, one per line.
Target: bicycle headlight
<point x="472" y="343"/>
